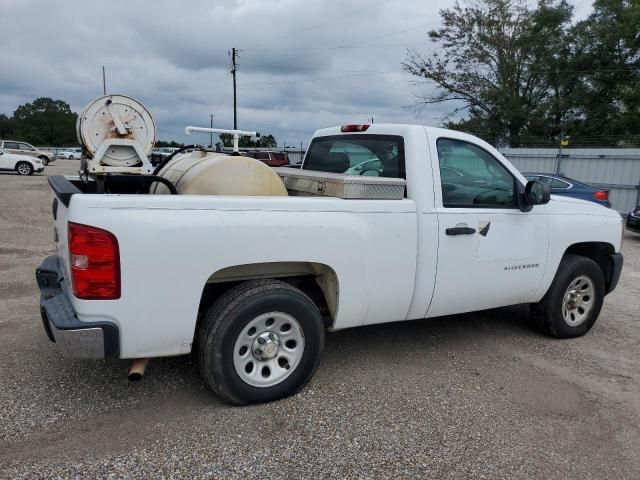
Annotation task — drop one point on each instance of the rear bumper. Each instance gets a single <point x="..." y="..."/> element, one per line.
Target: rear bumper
<point x="76" y="339"/>
<point x="616" y="269"/>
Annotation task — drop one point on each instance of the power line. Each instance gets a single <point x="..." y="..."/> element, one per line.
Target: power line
<point x="399" y="32"/>
<point x="319" y="79"/>
<point x="361" y="73"/>
<point x="396" y="45"/>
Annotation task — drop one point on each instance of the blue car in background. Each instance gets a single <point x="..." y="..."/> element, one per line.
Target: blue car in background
<point x="568" y="187"/>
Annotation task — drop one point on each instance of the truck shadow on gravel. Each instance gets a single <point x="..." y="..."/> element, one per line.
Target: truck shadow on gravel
<point x="347" y="350"/>
<point x="344" y="350"/>
<point x="387" y="355"/>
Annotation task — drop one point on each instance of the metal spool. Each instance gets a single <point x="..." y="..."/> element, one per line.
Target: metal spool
<point x="116" y="117"/>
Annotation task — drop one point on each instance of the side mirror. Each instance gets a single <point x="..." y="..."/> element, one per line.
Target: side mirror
<point x="536" y="193"/>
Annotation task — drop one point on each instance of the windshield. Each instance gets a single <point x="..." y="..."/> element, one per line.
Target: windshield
<point x="367" y="155"/>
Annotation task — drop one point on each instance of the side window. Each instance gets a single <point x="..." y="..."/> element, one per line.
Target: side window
<point x="471" y="177"/>
<point x="11" y="145"/>
<point x="555" y="183"/>
<point x="545" y="180"/>
<point x="26" y="146"/>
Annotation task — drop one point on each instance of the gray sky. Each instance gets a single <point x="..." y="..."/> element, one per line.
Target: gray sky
<point x="302" y="66"/>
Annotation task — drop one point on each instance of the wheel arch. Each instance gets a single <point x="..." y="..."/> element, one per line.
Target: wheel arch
<point x="599" y="252"/>
<point x="28" y="162"/>
<point x="319" y="281"/>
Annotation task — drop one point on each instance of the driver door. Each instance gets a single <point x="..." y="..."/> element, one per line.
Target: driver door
<point x="490" y="254"/>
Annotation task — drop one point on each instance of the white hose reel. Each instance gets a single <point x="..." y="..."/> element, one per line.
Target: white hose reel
<point x="117" y="134"/>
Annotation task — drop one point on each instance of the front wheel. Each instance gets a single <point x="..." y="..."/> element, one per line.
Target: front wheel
<point x="572" y="304"/>
<point x="70" y="157"/>
<point x="259" y="342"/>
<point x="24" y="168"/>
<point x="45" y="161"/>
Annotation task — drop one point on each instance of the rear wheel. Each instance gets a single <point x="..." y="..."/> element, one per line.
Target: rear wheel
<point x="24" y="168"/>
<point x="259" y="342"/>
<point x="572" y="304"/>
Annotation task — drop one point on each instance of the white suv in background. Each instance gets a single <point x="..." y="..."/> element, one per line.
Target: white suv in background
<point x="23" y="164"/>
<point x="70" y="153"/>
<point x="24" y="148"/>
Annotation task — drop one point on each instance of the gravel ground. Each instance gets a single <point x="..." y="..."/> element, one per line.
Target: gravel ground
<point x="468" y="396"/>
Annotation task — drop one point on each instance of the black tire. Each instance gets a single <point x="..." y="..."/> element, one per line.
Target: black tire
<point x="548" y="312"/>
<point x="24" y="168"/>
<point x="70" y="157"/>
<point x="45" y="161"/>
<point x="224" y="322"/>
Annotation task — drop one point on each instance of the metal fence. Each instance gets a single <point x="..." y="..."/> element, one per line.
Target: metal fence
<point x="295" y="156"/>
<point x="615" y="169"/>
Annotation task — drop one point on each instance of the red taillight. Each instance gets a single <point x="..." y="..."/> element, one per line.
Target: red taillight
<point x="95" y="263"/>
<point x="354" y="128"/>
<point x="602" y="195"/>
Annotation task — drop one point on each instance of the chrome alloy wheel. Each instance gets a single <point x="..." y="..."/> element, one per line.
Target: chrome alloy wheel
<point x="578" y="301"/>
<point x="268" y="349"/>
<point x="24" y="169"/>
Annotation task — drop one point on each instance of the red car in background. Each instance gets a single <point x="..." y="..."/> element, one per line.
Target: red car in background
<point x="273" y="159"/>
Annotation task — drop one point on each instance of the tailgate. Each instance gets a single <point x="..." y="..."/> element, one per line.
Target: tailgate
<point x="63" y="189"/>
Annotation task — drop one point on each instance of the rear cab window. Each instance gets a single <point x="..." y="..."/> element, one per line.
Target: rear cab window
<point x="366" y="155"/>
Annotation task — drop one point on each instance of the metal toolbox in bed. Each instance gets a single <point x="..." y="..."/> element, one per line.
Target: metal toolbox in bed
<point x="310" y="182"/>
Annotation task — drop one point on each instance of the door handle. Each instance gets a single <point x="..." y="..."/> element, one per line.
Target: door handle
<point x="460" y="231"/>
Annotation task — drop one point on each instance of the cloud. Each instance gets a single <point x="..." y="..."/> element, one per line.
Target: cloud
<point x="302" y="65"/>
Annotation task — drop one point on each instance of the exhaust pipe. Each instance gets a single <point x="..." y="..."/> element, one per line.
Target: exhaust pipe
<point x="137" y="369"/>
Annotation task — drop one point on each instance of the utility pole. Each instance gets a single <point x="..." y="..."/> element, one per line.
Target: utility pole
<point x="564" y="142"/>
<point x="211" y="134"/>
<point x="104" y="82"/>
<point x="234" y="53"/>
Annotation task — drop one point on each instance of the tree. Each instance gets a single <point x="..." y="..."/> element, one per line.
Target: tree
<point x="500" y="61"/>
<point x="607" y="59"/>
<point x="264" y="141"/>
<point x="45" y="122"/>
<point x="171" y="144"/>
<point x="6" y="126"/>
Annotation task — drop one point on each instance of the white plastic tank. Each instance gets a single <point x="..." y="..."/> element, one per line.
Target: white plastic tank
<point x="212" y="173"/>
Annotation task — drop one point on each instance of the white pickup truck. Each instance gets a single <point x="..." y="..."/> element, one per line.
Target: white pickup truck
<point x="250" y="284"/>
